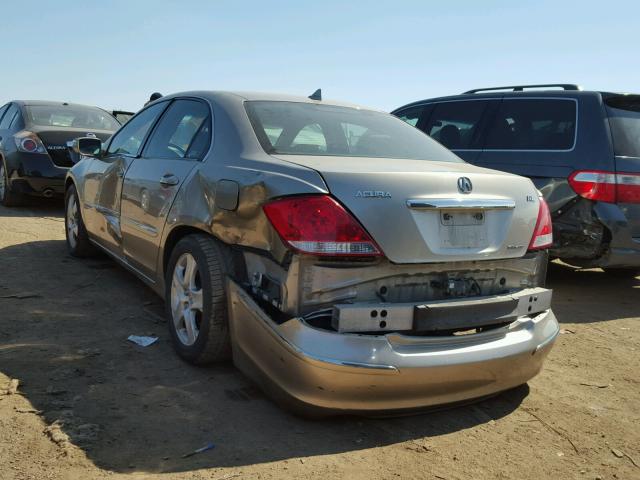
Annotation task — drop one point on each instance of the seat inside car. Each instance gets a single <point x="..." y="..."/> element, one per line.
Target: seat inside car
<point x="450" y="136"/>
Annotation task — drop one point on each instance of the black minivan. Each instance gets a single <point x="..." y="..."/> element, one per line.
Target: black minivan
<point x="580" y="148"/>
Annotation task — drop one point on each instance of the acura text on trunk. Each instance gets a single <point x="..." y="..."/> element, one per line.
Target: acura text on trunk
<point x="347" y="262"/>
<point x="34" y="157"/>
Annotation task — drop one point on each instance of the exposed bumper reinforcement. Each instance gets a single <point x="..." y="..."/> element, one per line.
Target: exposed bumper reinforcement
<point x="329" y="372"/>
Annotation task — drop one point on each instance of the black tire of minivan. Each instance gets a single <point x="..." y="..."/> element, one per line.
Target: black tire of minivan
<point x="622" y="272"/>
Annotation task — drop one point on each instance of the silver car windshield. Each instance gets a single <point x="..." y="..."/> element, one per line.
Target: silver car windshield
<point x="71" y="116"/>
<point x="310" y="129"/>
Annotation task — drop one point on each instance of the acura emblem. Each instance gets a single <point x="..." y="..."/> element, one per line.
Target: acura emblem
<point x="464" y="185"/>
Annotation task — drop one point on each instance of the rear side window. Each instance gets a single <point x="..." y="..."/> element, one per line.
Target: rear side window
<point x="8" y="117"/>
<point x="177" y="130"/>
<point x="624" y="120"/>
<point x="533" y="124"/>
<point x="410" y="115"/>
<point x="455" y="124"/>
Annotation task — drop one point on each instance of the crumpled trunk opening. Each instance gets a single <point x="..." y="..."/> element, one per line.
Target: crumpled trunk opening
<point x="374" y="297"/>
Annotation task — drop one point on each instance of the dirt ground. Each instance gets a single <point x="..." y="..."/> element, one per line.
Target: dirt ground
<point x="91" y="405"/>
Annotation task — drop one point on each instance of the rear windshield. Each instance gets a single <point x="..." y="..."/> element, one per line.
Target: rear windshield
<point x="624" y="119"/>
<point x="71" y="116"/>
<point x="310" y="129"/>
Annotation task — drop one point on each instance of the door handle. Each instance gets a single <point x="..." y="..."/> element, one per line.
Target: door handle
<point x="169" y="179"/>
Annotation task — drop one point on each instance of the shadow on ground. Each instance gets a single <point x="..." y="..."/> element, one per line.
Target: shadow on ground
<point x="36" y="207"/>
<point x="131" y="408"/>
<point x="576" y="292"/>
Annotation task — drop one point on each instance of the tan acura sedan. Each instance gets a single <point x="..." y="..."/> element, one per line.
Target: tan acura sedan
<point x="346" y="261"/>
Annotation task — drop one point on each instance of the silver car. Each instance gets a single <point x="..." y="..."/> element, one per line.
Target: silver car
<point x="346" y="261"/>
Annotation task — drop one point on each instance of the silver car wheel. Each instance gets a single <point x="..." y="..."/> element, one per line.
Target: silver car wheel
<point x="2" y="182"/>
<point x="186" y="299"/>
<point x="72" y="221"/>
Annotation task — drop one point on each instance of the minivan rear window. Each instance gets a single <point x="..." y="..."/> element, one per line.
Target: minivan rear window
<point x="624" y="120"/>
<point x="533" y="124"/>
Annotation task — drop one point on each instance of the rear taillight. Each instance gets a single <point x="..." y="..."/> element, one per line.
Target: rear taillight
<point x="543" y="233"/>
<point x="609" y="187"/>
<point x="29" y="142"/>
<point x="319" y="225"/>
<point x="628" y="187"/>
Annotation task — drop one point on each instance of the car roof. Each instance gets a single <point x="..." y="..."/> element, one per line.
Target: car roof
<point x="48" y="103"/>
<point x="499" y="94"/>
<point x="242" y="96"/>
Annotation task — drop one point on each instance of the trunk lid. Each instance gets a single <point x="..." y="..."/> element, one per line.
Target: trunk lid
<point x="416" y="212"/>
<point x="55" y="141"/>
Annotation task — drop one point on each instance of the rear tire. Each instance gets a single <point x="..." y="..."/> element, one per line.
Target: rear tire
<point x="196" y="300"/>
<point x="8" y="198"/>
<point x="78" y="241"/>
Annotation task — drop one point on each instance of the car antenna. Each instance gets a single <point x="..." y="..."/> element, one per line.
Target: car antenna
<point x="317" y="95"/>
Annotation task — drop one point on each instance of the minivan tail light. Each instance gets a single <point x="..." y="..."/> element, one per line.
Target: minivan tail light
<point x="543" y="233"/>
<point x="609" y="187"/>
<point x="319" y="225"/>
<point x="628" y="187"/>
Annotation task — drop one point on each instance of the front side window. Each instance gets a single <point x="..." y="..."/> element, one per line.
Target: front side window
<point x="533" y="124"/>
<point x="455" y="124"/>
<point x="178" y="131"/>
<point x="624" y="120"/>
<point x="74" y="116"/>
<point x="128" y="141"/>
<point x="292" y="128"/>
<point x="8" y="117"/>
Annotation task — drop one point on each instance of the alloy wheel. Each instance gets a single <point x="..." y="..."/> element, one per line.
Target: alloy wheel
<point x="186" y="299"/>
<point x="72" y="221"/>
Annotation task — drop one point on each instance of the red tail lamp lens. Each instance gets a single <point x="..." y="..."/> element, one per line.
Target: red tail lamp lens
<point x="29" y="145"/>
<point x="543" y="233"/>
<point x="318" y="224"/>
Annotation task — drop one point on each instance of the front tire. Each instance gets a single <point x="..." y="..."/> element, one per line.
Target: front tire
<point x="196" y="301"/>
<point x="8" y="198"/>
<point x="77" y="238"/>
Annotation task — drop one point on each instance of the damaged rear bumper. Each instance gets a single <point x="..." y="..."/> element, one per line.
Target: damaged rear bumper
<point x="321" y="371"/>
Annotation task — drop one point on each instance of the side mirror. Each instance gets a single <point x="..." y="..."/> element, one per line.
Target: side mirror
<point x="87" y="146"/>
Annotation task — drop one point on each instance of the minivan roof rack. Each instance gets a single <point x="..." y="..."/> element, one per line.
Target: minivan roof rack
<point x="520" y="88"/>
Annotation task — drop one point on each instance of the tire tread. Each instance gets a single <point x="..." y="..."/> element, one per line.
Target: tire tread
<point x="219" y="263"/>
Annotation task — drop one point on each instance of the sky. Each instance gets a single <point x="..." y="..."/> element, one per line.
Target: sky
<point x="382" y="54"/>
